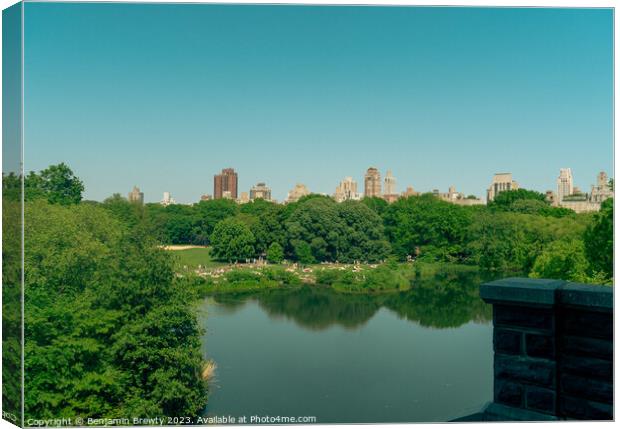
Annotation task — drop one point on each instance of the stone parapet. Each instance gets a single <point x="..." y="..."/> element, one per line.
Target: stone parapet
<point x="553" y="345"/>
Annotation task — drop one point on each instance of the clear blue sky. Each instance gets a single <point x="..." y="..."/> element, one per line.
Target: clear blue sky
<point x="165" y="96"/>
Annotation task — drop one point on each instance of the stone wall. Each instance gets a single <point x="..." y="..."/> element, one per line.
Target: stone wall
<point x="553" y="344"/>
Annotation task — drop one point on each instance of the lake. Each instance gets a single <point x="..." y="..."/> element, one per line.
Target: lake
<point x="423" y="355"/>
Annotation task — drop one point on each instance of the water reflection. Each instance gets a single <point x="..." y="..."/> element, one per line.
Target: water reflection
<point x="446" y="300"/>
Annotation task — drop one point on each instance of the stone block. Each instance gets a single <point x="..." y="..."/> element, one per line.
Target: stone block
<point x="581" y="409"/>
<point x="587" y="367"/>
<point x="587" y="388"/>
<point x="588" y="324"/>
<point x="525" y="370"/>
<point x="523" y="317"/>
<point x="540" y="399"/>
<point x="593" y="347"/>
<point x="542" y="346"/>
<point x="507" y="341"/>
<point x="508" y="393"/>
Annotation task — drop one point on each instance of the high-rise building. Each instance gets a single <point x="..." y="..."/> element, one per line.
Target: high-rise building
<point x="225" y="184"/>
<point x="501" y="182"/>
<point x="389" y="187"/>
<point x="300" y="190"/>
<point x="260" y="190"/>
<point x="167" y="199"/>
<point x="135" y="196"/>
<point x="601" y="191"/>
<point x="346" y="190"/>
<point x="565" y="183"/>
<point x="244" y="198"/>
<point x="372" y="183"/>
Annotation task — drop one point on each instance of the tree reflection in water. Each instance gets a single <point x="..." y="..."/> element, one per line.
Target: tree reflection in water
<point x="448" y="299"/>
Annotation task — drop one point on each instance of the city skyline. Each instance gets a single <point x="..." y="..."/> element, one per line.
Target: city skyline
<point x="400" y="189"/>
<point x="440" y="96"/>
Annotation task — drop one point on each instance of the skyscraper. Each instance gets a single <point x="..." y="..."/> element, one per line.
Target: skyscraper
<point x="389" y="188"/>
<point x="225" y="184"/>
<point x="135" y="196"/>
<point x="167" y="199"/>
<point x="372" y="183"/>
<point x="260" y="190"/>
<point x="300" y="190"/>
<point x="501" y="182"/>
<point x="565" y="183"/>
<point x="346" y="190"/>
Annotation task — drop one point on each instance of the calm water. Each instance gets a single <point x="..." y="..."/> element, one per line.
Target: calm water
<point x="421" y="355"/>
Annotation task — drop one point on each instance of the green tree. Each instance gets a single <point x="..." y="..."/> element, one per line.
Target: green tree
<point x="364" y="237"/>
<point x="505" y="199"/>
<point x="275" y="253"/>
<point x="316" y="223"/>
<point x="57" y="184"/>
<point x="108" y="331"/>
<point x="561" y="260"/>
<point x="232" y="240"/>
<point x="129" y="213"/>
<point x="378" y="205"/>
<point x="437" y="228"/>
<point x="265" y="221"/>
<point x="303" y="252"/>
<point x="599" y="240"/>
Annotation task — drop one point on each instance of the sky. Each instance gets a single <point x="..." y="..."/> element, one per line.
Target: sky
<point x="165" y="96"/>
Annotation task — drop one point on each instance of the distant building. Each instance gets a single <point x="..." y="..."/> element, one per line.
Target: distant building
<point x="135" y="196"/>
<point x="565" y="183"/>
<point x="501" y="182"/>
<point x="458" y="198"/>
<point x="300" y="190"/>
<point x="167" y="199"/>
<point x="244" y="198"/>
<point x="225" y="182"/>
<point x="581" y="203"/>
<point x="205" y="197"/>
<point x="601" y="191"/>
<point x="389" y="187"/>
<point x="260" y="190"/>
<point x="227" y="195"/>
<point x="410" y="192"/>
<point x="551" y="197"/>
<point x="346" y="190"/>
<point x="372" y="183"/>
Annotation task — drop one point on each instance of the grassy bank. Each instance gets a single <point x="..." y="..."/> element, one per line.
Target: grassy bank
<point x="208" y="276"/>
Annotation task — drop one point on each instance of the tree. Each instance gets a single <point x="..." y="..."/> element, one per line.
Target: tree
<point x="232" y="240"/>
<point x="57" y="184"/>
<point x="378" y="205"/>
<point x="599" y="240"/>
<point x="316" y="223"/>
<point x="206" y="214"/>
<point x="364" y="237"/>
<point x="437" y="227"/>
<point x="128" y="213"/>
<point x="108" y="329"/>
<point x="303" y="252"/>
<point x="275" y="253"/>
<point x="265" y="221"/>
<point x="561" y="259"/>
<point x="505" y="199"/>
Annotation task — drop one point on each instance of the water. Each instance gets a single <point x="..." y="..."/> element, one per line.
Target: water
<point x="418" y="356"/>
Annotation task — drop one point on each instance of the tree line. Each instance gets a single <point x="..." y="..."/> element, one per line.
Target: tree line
<point x="519" y="231"/>
<point x="109" y="331"/>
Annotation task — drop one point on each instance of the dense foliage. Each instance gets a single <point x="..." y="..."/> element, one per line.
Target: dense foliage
<point x="510" y="234"/>
<point x="109" y="333"/>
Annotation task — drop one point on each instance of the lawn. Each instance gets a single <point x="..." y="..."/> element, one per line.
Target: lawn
<point x="197" y="256"/>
